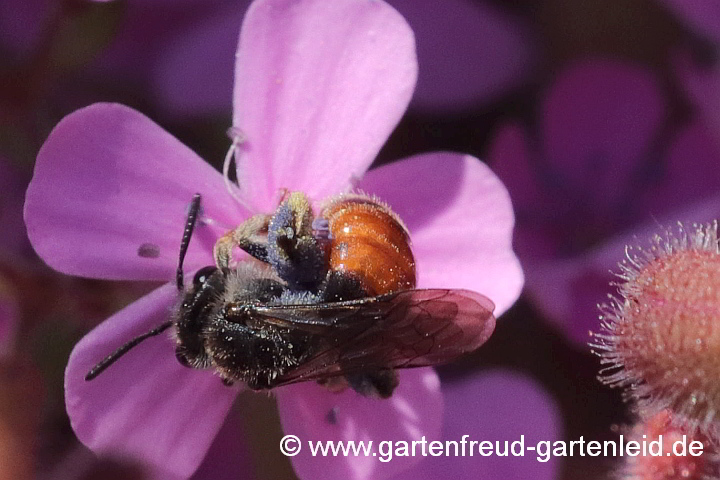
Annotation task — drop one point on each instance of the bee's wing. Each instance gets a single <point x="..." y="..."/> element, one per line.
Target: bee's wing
<point x="412" y="328"/>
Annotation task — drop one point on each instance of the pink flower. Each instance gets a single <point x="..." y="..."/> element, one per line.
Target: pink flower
<point x="471" y="52"/>
<point x="696" y="62"/>
<point x="602" y="166"/>
<point x="701" y="83"/>
<point x="22" y="25"/>
<point x="495" y="406"/>
<point x="459" y="70"/>
<point x="703" y="16"/>
<point x="176" y="56"/>
<point x="319" y="87"/>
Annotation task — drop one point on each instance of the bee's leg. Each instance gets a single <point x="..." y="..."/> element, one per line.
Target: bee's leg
<point x="334" y="384"/>
<point x="251" y="236"/>
<point x="293" y="251"/>
<point x="257" y="357"/>
<point x="377" y="384"/>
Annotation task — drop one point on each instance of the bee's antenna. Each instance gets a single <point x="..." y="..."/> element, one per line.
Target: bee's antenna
<point x="187" y="233"/>
<point x="110" y="359"/>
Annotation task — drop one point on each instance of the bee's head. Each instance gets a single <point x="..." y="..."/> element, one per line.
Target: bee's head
<point x="197" y="306"/>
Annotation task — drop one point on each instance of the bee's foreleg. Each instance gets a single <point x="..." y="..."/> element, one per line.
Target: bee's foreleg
<point x="293" y="251"/>
<point x="250" y="236"/>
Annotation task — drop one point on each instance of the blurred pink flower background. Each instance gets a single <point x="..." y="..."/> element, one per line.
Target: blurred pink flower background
<point x="601" y="120"/>
<point x="599" y="166"/>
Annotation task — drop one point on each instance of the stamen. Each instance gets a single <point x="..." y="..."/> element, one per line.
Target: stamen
<point x="234" y="189"/>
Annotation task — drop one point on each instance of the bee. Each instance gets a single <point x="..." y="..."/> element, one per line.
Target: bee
<point x="330" y="299"/>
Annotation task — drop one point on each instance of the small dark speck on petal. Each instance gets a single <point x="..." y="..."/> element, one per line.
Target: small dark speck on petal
<point x="331" y="416"/>
<point x="148" y="250"/>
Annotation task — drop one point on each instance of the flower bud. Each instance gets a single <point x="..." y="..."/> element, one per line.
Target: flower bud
<point x="661" y="337"/>
<point x="668" y="452"/>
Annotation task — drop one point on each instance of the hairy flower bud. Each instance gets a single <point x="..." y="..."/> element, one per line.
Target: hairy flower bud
<point x="661" y="337"/>
<point x="669" y="452"/>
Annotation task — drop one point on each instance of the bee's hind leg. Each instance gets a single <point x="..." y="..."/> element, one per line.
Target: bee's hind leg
<point x="375" y="384"/>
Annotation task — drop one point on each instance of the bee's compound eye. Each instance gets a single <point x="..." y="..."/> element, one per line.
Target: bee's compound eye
<point x="203" y="274"/>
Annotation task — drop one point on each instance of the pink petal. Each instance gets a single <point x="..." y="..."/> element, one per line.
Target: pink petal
<point x="702" y="86"/>
<point x="137" y="46"/>
<point x="229" y="455"/>
<point x="691" y="171"/>
<point x="701" y="15"/>
<point x="314" y="414"/>
<point x="520" y="169"/>
<point x="494" y="406"/>
<point x="514" y="161"/>
<point x="470" y="52"/>
<point x="110" y="194"/>
<point x="22" y="23"/>
<point x="569" y="291"/>
<point x="193" y="75"/>
<point x="319" y="86"/>
<point x="146" y="405"/>
<point x="600" y="120"/>
<point x="460" y="221"/>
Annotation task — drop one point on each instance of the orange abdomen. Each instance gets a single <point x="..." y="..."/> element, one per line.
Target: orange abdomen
<point x="369" y="242"/>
